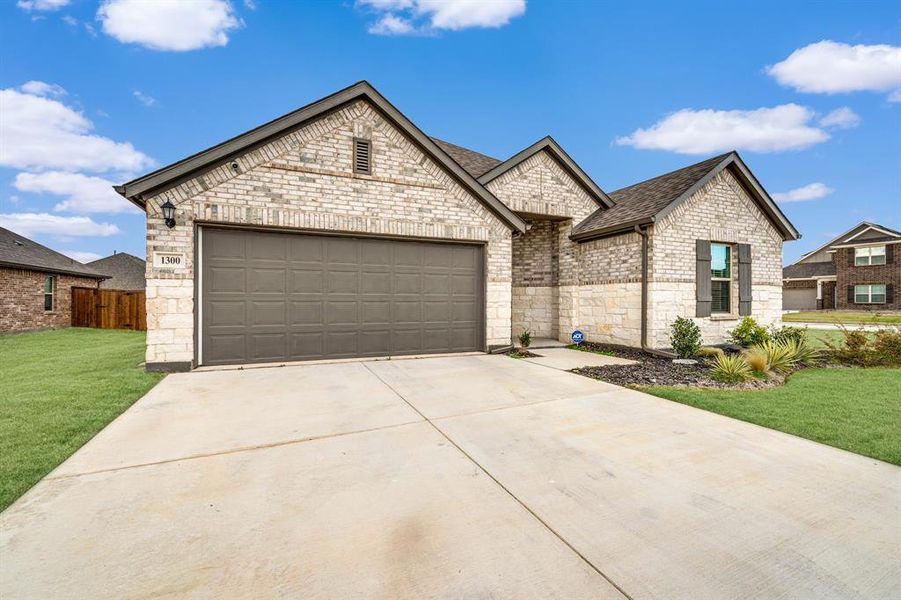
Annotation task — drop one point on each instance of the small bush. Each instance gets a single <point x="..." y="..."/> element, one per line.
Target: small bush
<point x="781" y="334"/>
<point x="685" y="337"/>
<point x="525" y="338"/>
<point x="709" y="352"/>
<point x="748" y="333"/>
<point x="780" y="356"/>
<point x="802" y="352"/>
<point x="731" y="369"/>
<point x="757" y="360"/>
<point x="854" y="349"/>
<point x="887" y="347"/>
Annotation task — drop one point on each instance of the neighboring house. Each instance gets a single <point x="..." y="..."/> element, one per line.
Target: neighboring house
<point x="126" y="272"/>
<point x="342" y="230"/>
<point x="36" y="284"/>
<point x="858" y="270"/>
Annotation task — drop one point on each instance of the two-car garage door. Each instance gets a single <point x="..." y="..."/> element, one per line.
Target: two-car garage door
<point x="269" y="297"/>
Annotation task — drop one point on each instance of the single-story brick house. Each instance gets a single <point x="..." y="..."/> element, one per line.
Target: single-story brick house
<point x="126" y="272"/>
<point x="36" y="284"/>
<point x="858" y="270"/>
<point x="342" y="230"/>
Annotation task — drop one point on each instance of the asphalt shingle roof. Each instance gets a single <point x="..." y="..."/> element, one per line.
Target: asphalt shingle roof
<point x="645" y="199"/>
<point x="17" y="251"/>
<point x="474" y="163"/>
<point x="127" y="272"/>
<point x="807" y="270"/>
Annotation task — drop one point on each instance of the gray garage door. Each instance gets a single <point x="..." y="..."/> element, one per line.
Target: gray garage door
<point x="799" y="299"/>
<point x="281" y="296"/>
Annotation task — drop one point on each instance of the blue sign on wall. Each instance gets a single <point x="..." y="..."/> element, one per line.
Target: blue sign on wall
<point x="578" y="337"/>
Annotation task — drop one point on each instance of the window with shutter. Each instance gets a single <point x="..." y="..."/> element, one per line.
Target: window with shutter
<point x="744" y="279"/>
<point x="702" y="278"/>
<point x="362" y="156"/>
<point x="721" y="278"/>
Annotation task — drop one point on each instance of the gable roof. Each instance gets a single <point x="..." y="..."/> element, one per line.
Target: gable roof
<point x="148" y="185"/>
<point x="808" y="270"/>
<point x="474" y="162"/>
<point x="126" y="272"/>
<point x="649" y="201"/>
<point x="18" y="252"/>
<point x="853" y="232"/>
<point x="549" y="145"/>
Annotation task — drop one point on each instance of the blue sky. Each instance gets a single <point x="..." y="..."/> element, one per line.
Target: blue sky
<point x="98" y="92"/>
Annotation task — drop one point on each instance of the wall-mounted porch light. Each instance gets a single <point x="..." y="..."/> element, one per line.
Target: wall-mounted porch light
<point x="169" y="214"/>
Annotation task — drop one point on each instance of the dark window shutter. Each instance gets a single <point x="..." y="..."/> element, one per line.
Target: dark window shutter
<point x="744" y="279"/>
<point x="702" y="278"/>
<point x="850" y="294"/>
<point x="850" y="252"/>
<point x="889" y="254"/>
<point x="889" y="293"/>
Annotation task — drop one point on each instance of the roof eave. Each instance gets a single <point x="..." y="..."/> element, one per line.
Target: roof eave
<point x="45" y="269"/>
<point x="138" y="189"/>
<point x="568" y="164"/>
<point x="618" y="229"/>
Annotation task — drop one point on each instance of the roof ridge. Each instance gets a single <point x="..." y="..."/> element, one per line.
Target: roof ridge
<point x="716" y="159"/>
<point x="435" y="139"/>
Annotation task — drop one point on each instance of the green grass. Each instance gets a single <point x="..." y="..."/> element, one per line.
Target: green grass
<point x="57" y="390"/>
<point x="856" y="317"/>
<point x="853" y="409"/>
<point x="583" y="348"/>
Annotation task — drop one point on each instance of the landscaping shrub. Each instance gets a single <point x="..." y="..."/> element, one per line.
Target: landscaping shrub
<point x="525" y="338"/>
<point x="757" y="360"/>
<point x="786" y="332"/>
<point x="685" y="337"/>
<point x="731" y="368"/>
<point x="709" y="352"/>
<point x="802" y="352"/>
<point x="887" y="347"/>
<point x="748" y="333"/>
<point x="780" y="356"/>
<point x="855" y="349"/>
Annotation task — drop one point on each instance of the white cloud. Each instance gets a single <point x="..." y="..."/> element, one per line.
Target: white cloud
<point x="42" y="88"/>
<point x="42" y="5"/>
<point x="843" y="118"/>
<point x="70" y="21"/>
<point x="401" y="17"/>
<point x="144" y="98"/>
<point x="688" y="131"/>
<point x="812" y="191"/>
<point x="174" y="26"/>
<point x="250" y="4"/>
<point x="829" y="67"/>
<point x="895" y="96"/>
<point x="40" y="133"/>
<point x="82" y="193"/>
<point x="391" y="25"/>
<point x="80" y="256"/>
<point x="29" y="224"/>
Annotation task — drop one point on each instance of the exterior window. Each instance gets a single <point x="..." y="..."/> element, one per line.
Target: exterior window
<point x="49" y="288"/>
<point x="871" y="255"/>
<point x="721" y="278"/>
<point x="869" y="294"/>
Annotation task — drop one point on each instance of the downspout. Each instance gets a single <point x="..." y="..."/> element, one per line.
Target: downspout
<point x="643" y="232"/>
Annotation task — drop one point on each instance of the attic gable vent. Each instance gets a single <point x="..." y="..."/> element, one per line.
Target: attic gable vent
<point x="362" y="156"/>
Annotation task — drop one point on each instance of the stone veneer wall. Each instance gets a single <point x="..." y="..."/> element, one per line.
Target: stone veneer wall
<point x="22" y="300"/>
<point x="545" y="262"/>
<point x="721" y="211"/>
<point x="305" y="180"/>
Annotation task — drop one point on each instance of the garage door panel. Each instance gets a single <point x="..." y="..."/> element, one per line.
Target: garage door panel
<point x="268" y="296"/>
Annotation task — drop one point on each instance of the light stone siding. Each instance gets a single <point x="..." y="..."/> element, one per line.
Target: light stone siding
<point x="721" y="211"/>
<point x="545" y="257"/>
<point x="610" y="313"/>
<point x="305" y="180"/>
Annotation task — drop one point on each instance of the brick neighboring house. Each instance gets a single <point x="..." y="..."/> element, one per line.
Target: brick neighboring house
<point x="126" y="272"/>
<point x="36" y="284"/>
<point x="858" y="270"/>
<point x="342" y="230"/>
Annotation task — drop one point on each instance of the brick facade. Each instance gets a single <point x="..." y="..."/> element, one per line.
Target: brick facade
<point x="305" y="180"/>
<point x="22" y="300"/>
<point x="848" y="275"/>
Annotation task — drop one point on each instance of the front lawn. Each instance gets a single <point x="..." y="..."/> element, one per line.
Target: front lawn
<point x="853" y="409"/>
<point x="57" y="390"/>
<point x="855" y="317"/>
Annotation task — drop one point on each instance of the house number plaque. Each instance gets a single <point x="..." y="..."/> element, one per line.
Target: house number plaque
<point x="169" y="260"/>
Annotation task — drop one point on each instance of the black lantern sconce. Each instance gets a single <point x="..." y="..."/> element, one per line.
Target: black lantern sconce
<point x="169" y="214"/>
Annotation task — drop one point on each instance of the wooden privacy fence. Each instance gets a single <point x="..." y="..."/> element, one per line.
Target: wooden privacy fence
<point x="108" y="309"/>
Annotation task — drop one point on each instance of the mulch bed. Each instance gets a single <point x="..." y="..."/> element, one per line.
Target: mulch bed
<point x="521" y="354"/>
<point x="659" y="370"/>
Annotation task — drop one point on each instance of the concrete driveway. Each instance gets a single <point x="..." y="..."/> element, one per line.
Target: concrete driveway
<point x="456" y="477"/>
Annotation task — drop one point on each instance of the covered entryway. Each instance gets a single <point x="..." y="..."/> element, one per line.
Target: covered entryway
<point x="273" y="296"/>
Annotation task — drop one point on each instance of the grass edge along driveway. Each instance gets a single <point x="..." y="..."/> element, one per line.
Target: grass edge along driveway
<point x="57" y="390"/>
<point x="853" y="409"/>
